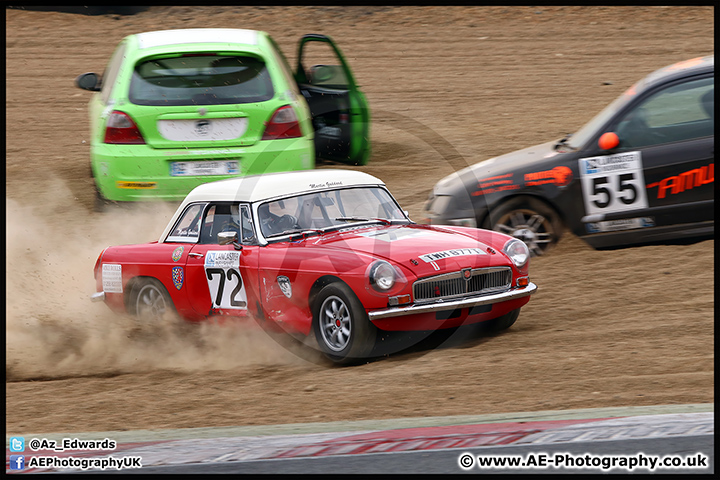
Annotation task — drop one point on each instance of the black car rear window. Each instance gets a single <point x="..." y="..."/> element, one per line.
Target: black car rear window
<point x="200" y="80"/>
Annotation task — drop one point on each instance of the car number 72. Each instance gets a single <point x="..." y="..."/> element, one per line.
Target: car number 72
<point x="613" y="183"/>
<point x="227" y="289"/>
<point x="236" y="295"/>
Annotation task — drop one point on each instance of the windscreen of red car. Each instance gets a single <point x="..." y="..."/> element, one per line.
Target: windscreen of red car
<point x="328" y="209"/>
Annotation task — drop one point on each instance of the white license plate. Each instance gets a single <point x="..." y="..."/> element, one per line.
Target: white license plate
<point x="202" y="129"/>
<point x="204" y="167"/>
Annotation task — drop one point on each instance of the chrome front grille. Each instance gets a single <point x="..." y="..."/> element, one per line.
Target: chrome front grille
<point x="455" y="284"/>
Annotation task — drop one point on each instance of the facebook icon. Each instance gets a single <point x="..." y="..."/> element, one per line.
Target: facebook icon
<point x="17" y="462"/>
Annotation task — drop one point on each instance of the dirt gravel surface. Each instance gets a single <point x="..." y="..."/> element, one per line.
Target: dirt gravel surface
<point x="447" y="87"/>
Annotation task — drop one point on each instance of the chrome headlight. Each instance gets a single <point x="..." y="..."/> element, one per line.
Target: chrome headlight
<point x="517" y="251"/>
<point x="382" y="276"/>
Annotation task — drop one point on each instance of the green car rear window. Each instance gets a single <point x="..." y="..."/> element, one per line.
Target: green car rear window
<point x="200" y="80"/>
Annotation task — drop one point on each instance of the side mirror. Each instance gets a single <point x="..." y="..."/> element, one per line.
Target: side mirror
<point x="322" y="73"/>
<point x="608" y="141"/>
<point x="88" y="81"/>
<point x="229" y="237"/>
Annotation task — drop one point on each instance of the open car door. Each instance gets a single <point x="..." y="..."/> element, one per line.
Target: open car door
<point x="339" y="110"/>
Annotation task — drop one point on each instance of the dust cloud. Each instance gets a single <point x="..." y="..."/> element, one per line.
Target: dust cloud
<point x="54" y="330"/>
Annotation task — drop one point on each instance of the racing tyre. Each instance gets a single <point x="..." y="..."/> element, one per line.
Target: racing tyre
<point x="503" y="323"/>
<point x="150" y="301"/>
<point x="528" y="219"/>
<point x="99" y="205"/>
<point x="342" y="328"/>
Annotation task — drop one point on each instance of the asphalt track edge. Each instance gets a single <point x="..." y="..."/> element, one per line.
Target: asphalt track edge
<point x="365" y="425"/>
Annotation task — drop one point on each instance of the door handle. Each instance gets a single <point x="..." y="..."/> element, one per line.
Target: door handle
<point x="196" y="255"/>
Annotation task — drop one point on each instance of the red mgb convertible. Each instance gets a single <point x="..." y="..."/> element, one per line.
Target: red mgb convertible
<point x="322" y="252"/>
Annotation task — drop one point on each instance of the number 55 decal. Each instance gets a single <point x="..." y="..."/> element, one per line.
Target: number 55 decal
<point x="227" y="289"/>
<point x="613" y="183"/>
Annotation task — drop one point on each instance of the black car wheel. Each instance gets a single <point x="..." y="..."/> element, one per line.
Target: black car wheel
<point x="150" y="301"/>
<point x="341" y="325"/>
<point x="528" y="219"/>
<point x="100" y="204"/>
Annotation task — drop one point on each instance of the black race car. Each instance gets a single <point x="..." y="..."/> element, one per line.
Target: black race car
<point x="640" y="172"/>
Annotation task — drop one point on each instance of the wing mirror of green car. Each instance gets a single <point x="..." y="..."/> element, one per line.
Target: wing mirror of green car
<point x="88" y="81"/>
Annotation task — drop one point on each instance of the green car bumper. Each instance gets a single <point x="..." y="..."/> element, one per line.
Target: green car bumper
<point x="132" y="173"/>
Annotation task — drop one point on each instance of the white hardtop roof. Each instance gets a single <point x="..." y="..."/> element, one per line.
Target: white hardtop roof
<point x="257" y="188"/>
<point x="254" y="188"/>
<point x="197" y="35"/>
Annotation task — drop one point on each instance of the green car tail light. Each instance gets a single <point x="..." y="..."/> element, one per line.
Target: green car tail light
<point x="121" y="129"/>
<point x="283" y="124"/>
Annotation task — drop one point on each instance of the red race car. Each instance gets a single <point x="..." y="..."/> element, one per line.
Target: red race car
<point x="322" y="252"/>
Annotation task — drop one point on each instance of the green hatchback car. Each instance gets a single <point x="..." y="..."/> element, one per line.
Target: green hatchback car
<point x="178" y="108"/>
